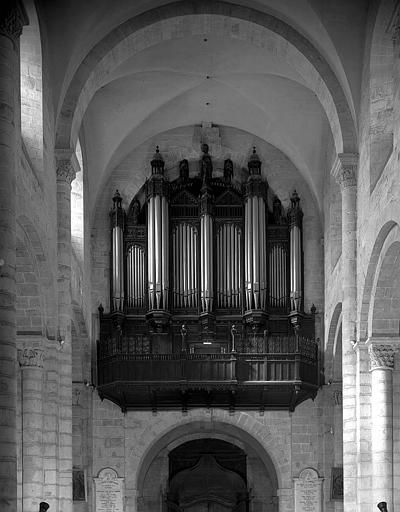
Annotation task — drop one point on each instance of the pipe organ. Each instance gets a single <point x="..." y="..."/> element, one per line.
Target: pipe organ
<point x="205" y="253"/>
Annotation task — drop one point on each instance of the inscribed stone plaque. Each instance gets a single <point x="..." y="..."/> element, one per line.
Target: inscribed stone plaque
<point x="308" y="491"/>
<point x="109" y="491"/>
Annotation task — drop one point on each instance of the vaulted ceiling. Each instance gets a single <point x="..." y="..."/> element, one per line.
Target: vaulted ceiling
<point x="123" y="78"/>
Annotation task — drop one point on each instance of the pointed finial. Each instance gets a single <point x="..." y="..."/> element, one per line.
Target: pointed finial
<point x="254" y="163"/>
<point x="157" y="164"/>
<point x="117" y="199"/>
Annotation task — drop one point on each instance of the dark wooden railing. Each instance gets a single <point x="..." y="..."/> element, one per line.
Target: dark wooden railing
<point x="282" y="359"/>
<point x="273" y="372"/>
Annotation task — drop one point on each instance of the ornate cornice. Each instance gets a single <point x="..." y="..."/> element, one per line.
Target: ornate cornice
<point x="31" y="357"/>
<point x="12" y="18"/>
<point x="345" y="170"/>
<point x="67" y="165"/>
<point x="381" y="356"/>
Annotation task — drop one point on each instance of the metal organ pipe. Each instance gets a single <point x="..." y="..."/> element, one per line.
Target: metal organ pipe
<point x="135" y="276"/>
<point x="296" y="253"/>
<point x="255" y="253"/>
<point x="185" y="265"/>
<point x="255" y="236"/>
<point x="206" y="267"/>
<point x="117" y="215"/>
<point x="157" y="232"/>
<point x="228" y="246"/>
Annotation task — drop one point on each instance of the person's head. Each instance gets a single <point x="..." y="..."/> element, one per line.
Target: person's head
<point x="382" y="506"/>
<point x="43" y="506"/>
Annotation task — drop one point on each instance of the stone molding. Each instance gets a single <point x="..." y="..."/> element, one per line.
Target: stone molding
<point x="31" y="357"/>
<point x="67" y="165"/>
<point x="344" y="170"/>
<point x="381" y="353"/>
<point x="13" y="17"/>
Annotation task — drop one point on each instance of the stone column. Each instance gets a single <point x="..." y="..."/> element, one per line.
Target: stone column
<point x="31" y="363"/>
<point x="345" y="172"/>
<point x="12" y="19"/>
<point x="67" y="166"/>
<point x="381" y="353"/>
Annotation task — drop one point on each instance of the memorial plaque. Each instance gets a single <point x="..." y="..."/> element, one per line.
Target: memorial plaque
<point x="308" y="491"/>
<point x="109" y="491"/>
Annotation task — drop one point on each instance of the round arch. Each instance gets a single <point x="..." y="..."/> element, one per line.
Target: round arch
<point x="332" y="350"/>
<point x="241" y="434"/>
<point x="31" y="89"/>
<point x="389" y="231"/>
<point x="33" y="276"/>
<point x="384" y="311"/>
<point x="381" y="64"/>
<point x="141" y="31"/>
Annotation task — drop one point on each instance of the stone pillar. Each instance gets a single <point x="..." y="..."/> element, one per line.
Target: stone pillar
<point x="31" y="363"/>
<point x="345" y="172"/>
<point x="363" y="427"/>
<point x="67" y="166"/>
<point x="381" y="353"/>
<point x="12" y="19"/>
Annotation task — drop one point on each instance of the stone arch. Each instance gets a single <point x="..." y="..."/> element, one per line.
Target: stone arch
<point x="333" y="352"/>
<point x="29" y="293"/>
<point x="31" y="89"/>
<point x="384" y="312"/>
<point x="46" y="285"/>
<point x="175" y="20"/>
<point x="381" y="92"/>
<point x="386" y="229"/>
<point x="241" y="430"/>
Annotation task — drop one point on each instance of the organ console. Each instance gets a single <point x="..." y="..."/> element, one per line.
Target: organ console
<point x="208" y="263"/>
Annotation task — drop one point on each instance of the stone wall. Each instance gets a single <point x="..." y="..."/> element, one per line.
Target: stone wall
<point x="136" y="445"/>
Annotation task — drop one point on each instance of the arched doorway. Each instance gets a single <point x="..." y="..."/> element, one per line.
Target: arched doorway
<point x="207" y="470"/>
<point x="207" y="475"/>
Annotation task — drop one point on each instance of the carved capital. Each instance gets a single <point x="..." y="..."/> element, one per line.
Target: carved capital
<point x="65" y="171"/>
<point x="31" y="357"/>
<point x="12" y="18"/>
<point x="381" y="356"/>
<point x="345" y="170"/>
<point x="67" y="165"/>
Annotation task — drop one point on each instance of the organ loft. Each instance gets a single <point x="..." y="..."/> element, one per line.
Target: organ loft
<point x="206" y="294"/>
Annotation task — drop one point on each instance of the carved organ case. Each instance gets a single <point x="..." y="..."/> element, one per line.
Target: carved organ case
<point x="205" y="263"/>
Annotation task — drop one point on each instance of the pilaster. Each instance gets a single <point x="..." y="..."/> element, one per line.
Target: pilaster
<point x="31" y="363"/>
<point x="66" y="168"/>
<point x="12" y="20"/>
<point x="381" y="353"/>
<point x="345" y="172"/>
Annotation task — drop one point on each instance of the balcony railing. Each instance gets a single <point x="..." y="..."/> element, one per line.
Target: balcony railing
<point x="280" y="373"/>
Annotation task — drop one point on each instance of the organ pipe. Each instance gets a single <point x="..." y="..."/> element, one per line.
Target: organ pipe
<point x="117" y="215"/>
<point x="185" y="265"/>
<point x="228" y="266"/>
<point x="295" y="216"/>
<point x="277" y="275"/>
<point x="158" y="246"/>
<point x="135" y="276"/>
<point x="206" y="291"/>
<point x="255" y="237"/>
